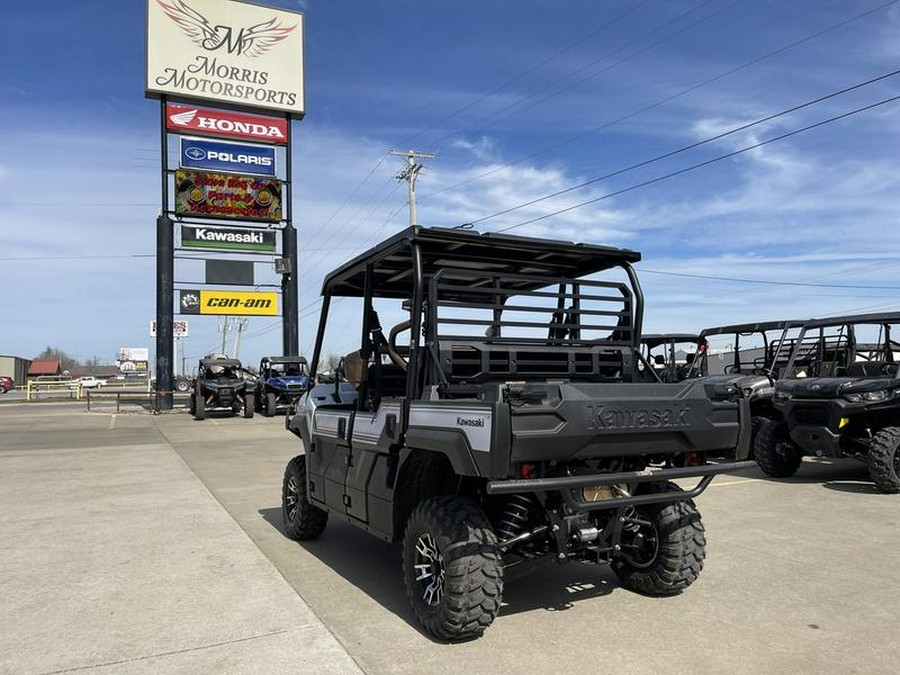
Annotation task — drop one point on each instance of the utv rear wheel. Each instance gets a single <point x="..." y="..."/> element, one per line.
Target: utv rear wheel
<point x="663" y="545"/>
<point x="271" y="404"/>
<point x="249" y="405"/>
<point x="884" y="460"/>
<point x="452" y="568"/>
<point x="302" y="520"/>
<point x="773" y="450"/>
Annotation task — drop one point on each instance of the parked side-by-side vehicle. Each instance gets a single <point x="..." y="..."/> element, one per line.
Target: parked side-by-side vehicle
<point x="492" y="417"/>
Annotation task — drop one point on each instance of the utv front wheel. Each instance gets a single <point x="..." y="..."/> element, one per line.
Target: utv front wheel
<point x="271" y="405"/>
<point x="199" y="407"/>
<point x="249" y="406"/>
<point x="773" y="450"/>
<point x="302" y="520"/>
<point x="663" y="546"/>
<point x="884" y="460"/>
<point x="452" y="568"/>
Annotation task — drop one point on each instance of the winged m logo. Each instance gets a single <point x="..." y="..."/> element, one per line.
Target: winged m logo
<point x="251" y="41"/>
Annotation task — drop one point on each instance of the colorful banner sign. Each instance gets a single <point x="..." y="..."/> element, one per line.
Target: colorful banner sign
<point x="238" y="303"/>
<point x="182" y="119"/>
<point x="200" y="153"/>
<point x="235" y="52"/>
<point x="179" y="328"/>
<point x="223" y="195"/>
<point x="228" y="238"/>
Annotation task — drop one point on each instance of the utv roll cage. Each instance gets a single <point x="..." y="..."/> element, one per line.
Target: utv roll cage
<point x="837" y="353"/>
<point x="777" y="348"/>
<point x="668" y="369"/>
<point x="491" y="307"/>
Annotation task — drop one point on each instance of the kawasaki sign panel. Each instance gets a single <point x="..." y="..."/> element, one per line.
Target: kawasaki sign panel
<point x="228" y="238"/>
<point x="199" y="153"/>
<point x="242" y="303"/>
<point x="182" y="119"/>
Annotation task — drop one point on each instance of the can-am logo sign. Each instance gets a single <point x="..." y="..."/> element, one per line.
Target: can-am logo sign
<point x="243" y="303"/>
<point x="191" y="119"/>
<point x="226" y="50"/>
<point x="221" y="156"/>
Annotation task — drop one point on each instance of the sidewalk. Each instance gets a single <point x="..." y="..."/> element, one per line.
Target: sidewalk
<point x="115" y="558"/>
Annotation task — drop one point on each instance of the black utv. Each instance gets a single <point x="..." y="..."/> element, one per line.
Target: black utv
<point x="500" y="424"/>
<point x="841" y="398"/>
<point x="281" y="379"/>
<point x="220" y="386"/>
<point x="750" y="356"/>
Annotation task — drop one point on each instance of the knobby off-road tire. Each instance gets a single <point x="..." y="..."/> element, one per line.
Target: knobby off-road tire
<point x="199" y="406"/>
<point x="271" y="405"/>
<point x="452" y="568"/>
<point x="884" y="460"/>
<point x="773" y="450"/>
<point x="192" y="405"/>
<point x="302" y="520"/>
<point x="669" y="555"/>
<point x="249" y="405"/>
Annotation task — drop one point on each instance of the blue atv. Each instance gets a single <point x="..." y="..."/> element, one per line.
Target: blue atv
<point x="281" y="380"/>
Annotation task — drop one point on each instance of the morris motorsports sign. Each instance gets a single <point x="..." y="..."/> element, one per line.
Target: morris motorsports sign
<point x="228" y="51"/>
<point x="228" y="238"/>
<point x="224" y="195"/>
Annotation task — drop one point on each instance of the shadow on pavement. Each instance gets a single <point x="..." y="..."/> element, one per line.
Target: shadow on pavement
<point x="373" y="566"/>
<point x="853" y="486"/>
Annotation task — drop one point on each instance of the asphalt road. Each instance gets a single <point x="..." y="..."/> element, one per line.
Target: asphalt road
<point x="799" y="577"/>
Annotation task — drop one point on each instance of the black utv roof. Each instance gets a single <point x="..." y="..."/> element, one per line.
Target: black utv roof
<point x="284" y="359"/>
<point x="877" y="318"/>
<point x="229" y="363"/>
<point x="468" y="250"/>
<point x="656" y="339"/>
<point x="757" y="327"/>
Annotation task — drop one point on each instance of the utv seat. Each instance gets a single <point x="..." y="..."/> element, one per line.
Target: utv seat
<point x="871" y="369"/>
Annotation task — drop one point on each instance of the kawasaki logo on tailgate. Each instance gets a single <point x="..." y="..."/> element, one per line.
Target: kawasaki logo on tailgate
<point x="606" y="417"/>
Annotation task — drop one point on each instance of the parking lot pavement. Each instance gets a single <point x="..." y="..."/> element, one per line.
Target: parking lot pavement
<point x="116" y="559"/>
<point x="800" y="577"/>
<point x="800" y="573"/>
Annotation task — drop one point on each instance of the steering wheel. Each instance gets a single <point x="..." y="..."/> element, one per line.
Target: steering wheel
<point x="731" y="370"/>
<point x="889" y="369"/>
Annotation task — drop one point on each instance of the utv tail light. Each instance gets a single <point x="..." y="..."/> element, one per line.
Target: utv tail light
<point x="526" y="471"/>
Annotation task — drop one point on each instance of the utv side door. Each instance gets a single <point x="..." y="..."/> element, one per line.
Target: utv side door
<point x="328" y="456"/>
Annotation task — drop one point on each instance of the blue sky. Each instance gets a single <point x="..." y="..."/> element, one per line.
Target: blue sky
<point x="518" y="99"/>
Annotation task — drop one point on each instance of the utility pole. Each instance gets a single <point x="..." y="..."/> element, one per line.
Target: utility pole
<point x="241" y="325"/>
<point x="224" y="328"/>
<point x="409" y="175"/>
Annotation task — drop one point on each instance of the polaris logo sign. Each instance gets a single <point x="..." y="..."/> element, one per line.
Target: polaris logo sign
<point x="198" y="153"/>
<point x="602" y="417"/>
<point x="228" y="238"/>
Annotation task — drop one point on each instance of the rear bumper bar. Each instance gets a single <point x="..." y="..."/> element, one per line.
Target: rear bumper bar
<point x="566" y="484"/>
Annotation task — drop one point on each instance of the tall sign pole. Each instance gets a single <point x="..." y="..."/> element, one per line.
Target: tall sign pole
<point x="247" y="58"/>
<point x="290" y="290"/>
<point x="165" y="279"/>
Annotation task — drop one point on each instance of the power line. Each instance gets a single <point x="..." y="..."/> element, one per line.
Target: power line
<point x="665" y="100"/>
<point x="691" y="146"/>
<point x="769" y="282"/>
<point x="699" y="165"/>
